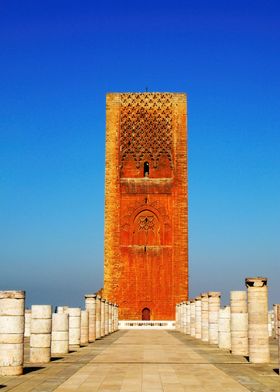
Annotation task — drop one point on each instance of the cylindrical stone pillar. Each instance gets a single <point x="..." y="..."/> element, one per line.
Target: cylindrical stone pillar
<point x="27" y="323"/>
<point x="90" y="303"/>
<point x="117" y="317"/>
<point x="224" y="328"/>
<point x="84" y="328"/>
<point x="102" y="328"/>
<point x="62" y="309"/>
<point x="114" y="317"/>
<point x="192" y="308"/>
<point x="98" y="317"/>
<point x="271" y="322"/>
<point x="198" y="317"/>
<point x="204" y="317"/>
<point x="239" y="323"/>
<point x="278" y="334"/>
<point x="110" y="306"/>
<point x="188" y="318"/>
<point x="258" y="320"/>
<point x="40" y="338"/>
<point x="74" y="328"/>
<point x="60" y="334"/>
<point x="275" y="326"/>
<point x="214" y="299"/>
<point x="177" y="310"/>
<point x="106" y="317"/>
<point x="182" y="316"/>
<point x="11" y="332"/>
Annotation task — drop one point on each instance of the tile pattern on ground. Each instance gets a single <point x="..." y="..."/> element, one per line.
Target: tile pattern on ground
<point x="147" y="361"/>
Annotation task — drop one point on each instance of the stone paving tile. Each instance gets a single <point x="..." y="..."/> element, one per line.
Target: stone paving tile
<point x="47" y="377"/>
<point x="148" y="361"/>
<point x="256" y="378"/>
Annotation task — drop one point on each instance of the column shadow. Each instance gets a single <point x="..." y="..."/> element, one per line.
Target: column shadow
<point x="29" y="369"/>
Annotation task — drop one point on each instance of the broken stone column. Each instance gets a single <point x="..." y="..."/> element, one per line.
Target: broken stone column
<point x="11" y="332"/>
<point x="60" y="334"/>
<point x="198" y="317"/>
<point x="224" y="328"/>
<point x="188" y="318"/>
<point x="110" y="305"/>
<point x="258" y="320"/>
<point x="275" y="326"/>
<point x="27" y="323"/>
<point x="117" y="317"/>
<point x="114" y="318"/>
<point x="84" y="328"/>
<point x="102" y="329"/>
<point x="204" y="317"/>
<point x="62" y="309"/>
<point x="270" y="323"/>
<point x="74" y="328"/>
<point x="106" y="329"/>
<point x="185" y="317"/>
<point x="177" y="323"/>
<point x="214" y="300"/>
<point x="278" y="334"/>
<point x="98" y="317"/>
<point x="192" y="308"/>
<point x="40" y="338"/>
<point x="90" y="304"/>
<point x="182" y="316"/>
<point x="239" y="323"/>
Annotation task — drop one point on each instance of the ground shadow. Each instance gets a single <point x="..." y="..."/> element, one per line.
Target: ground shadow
<point x="56" y="358"/>
<point x="247" y="358"/>
<point x="29" y="369"/>
<point x="276" y="371"/>
<point x="2" y="386"/>
<point x="72" y="351"/>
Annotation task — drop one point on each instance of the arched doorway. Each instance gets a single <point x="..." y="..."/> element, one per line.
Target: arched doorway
<point x="146" y="314"/>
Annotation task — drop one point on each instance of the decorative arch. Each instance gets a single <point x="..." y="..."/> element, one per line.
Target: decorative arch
<point x="146" y="229"/>
<point x="162" y="227"/>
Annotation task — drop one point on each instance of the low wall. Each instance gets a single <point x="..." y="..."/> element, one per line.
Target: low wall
<point x="146" y="324"/>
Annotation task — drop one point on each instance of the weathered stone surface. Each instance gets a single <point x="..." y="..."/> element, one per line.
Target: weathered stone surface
<point x="11" y="332"/>
<point x="258" y="320"/>
<point x="146" y="255"/>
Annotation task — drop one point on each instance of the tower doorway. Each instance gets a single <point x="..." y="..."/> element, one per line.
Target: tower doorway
<point x="146" y="313"/>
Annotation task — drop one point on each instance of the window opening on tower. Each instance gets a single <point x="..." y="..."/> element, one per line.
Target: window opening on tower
<point x="146" y="169"/>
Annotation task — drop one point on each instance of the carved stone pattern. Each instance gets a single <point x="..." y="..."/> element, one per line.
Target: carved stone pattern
<point x="146" y="127"/>
<point x="146" y="223"/>
<point x="130" y="211"/>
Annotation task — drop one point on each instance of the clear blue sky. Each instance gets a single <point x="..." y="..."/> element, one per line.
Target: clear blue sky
<point x="58" y="59"/>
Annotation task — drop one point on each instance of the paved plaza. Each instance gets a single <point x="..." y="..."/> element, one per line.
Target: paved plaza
<point x="134" y="361"/>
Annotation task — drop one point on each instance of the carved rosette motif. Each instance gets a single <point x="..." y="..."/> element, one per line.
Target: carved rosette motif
<point x="146" y="128"/>
<point x="146" y="217"/>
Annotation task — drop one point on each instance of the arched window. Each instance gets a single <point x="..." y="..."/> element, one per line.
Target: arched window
<point x="146" y="313"/>
<point x="146" y="169"/>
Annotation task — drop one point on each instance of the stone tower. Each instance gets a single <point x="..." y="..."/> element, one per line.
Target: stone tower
<point x="146" y="229"/>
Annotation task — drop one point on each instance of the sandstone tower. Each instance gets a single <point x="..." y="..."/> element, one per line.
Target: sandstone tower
<point x="146" y="229"/>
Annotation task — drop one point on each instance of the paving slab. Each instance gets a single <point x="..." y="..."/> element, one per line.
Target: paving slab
<point x="147" y="361"/>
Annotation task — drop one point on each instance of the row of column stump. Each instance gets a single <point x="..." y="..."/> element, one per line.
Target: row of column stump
<point x="243" y="327"/>
<point x="51" y="334"/>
